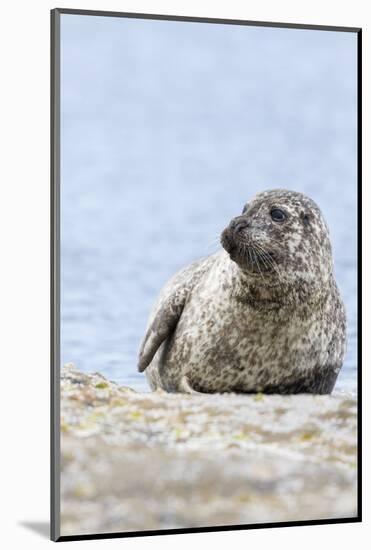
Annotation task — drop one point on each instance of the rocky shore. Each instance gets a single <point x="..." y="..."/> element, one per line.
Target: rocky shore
<point x="141" y="461"/>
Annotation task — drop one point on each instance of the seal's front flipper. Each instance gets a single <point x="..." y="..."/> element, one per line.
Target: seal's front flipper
<point x="185" y="387"/>
<point x="161" y="327"/>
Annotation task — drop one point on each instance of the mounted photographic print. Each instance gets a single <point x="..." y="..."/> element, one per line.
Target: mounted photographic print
<point x="205" y="274"/>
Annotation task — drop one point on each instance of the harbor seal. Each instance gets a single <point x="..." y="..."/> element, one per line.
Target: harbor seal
<point x="264" y="314"/>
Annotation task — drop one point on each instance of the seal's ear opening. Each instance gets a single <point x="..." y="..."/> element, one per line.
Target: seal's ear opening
<point x="305" y="217"/>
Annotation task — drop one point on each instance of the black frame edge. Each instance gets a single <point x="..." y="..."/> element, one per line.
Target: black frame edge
<point x="195" y="19"/>
<point x="359" y="269"/>
<point x="151" y="533"/>
<point x="54" y="279"/>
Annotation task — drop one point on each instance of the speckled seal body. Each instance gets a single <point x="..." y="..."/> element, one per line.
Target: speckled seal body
<point x="263" y="314"/>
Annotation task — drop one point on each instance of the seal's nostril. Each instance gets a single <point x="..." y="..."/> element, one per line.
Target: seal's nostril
<point x="239" y="226"/>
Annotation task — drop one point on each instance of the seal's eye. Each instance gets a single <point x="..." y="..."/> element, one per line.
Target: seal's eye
<point x="278" y="215"/>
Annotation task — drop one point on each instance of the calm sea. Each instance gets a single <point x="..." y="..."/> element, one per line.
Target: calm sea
<point x="167" y="129"/>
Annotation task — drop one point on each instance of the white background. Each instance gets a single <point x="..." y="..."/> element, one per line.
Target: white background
<point x="24" y="271"/>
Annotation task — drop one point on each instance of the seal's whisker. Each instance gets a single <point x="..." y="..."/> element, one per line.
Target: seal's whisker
<point x="258" y="264"/>
<point x="268" y="262"/>
<point x="275" y="266"/>
<point x="212" y="246"/>
<point x="271" y="261"/>
<point x="243" y="251"/>
<point x="250" y="256"/>
<point x="214" y="240"/>
<point x="262" y="256"/>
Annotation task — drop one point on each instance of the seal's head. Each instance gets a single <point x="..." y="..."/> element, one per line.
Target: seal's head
<point x="281" y="236"/>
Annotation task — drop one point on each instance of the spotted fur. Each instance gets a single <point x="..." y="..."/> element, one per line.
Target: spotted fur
<point x="264" y="314"/>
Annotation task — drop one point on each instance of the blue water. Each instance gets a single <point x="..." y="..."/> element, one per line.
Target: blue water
<point x="167" y="129"/>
